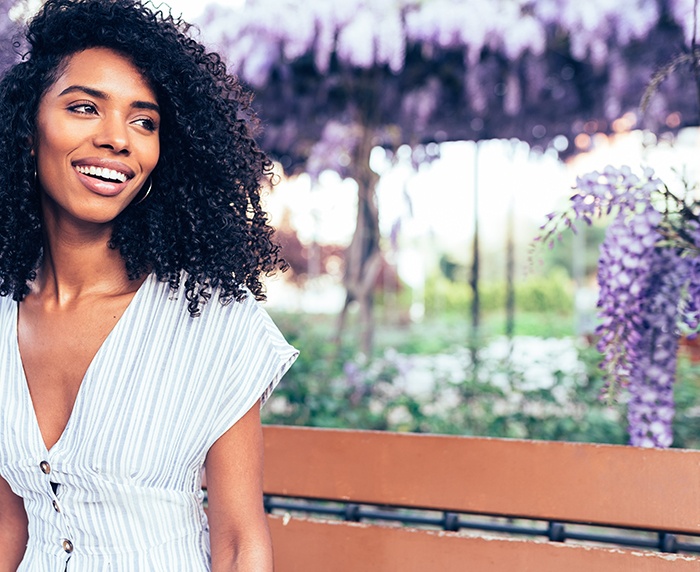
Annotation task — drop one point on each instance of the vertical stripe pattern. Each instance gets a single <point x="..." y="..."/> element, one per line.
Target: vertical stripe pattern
<point x="123" y="483"/>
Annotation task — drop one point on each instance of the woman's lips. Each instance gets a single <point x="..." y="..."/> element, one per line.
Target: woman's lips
<point x="100" y="186"/>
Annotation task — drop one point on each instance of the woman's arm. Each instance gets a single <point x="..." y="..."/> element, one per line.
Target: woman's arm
<point x="240" y="538"/>
<point x="13" y="528"/>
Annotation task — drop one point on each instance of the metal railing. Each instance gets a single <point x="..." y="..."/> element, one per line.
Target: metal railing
<point x="555" y="531"/>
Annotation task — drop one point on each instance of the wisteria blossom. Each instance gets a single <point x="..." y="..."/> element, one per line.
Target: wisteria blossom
<point x="375" y="32"/>
<point x="649" y="278"/>
<point x="437" y="70"/>
<point x="366" y="33"/>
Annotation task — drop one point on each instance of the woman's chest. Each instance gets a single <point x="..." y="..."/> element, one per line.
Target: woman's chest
<point x="128" y="429"/>
<point x="142" y="409"/>
<point x="56" y="348"/>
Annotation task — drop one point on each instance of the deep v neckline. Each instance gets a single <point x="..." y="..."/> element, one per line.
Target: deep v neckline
<point x="86" y="376"/>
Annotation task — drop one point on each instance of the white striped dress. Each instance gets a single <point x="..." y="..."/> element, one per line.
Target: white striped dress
<point x="121" y="489"/>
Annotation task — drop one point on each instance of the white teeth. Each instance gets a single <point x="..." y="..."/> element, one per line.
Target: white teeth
<point x="100" y="172"/>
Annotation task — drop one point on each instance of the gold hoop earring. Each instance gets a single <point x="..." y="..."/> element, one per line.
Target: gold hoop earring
<point x="148" y="191"/>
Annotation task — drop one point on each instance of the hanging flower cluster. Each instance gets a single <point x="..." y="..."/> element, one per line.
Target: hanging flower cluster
<point x="649" y="278"/>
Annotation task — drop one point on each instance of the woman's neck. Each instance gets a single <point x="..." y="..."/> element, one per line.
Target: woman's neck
<point x="78" y="264"/>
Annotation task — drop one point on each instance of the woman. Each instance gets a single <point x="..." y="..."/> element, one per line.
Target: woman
<point x="133" y="350"/>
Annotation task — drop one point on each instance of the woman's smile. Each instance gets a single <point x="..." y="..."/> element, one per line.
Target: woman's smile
<point x="97" y="138"/>
<point x="102" y="176"/>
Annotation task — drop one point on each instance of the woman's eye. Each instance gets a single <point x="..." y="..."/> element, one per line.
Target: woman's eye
<point x="83" y="108"/>
<point x="147" y="124"/>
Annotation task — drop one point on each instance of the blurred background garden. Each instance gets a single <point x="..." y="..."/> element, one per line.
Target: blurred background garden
<point x="419" y="146"/>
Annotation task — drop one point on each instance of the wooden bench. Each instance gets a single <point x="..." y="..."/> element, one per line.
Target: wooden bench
<point x="554" y="484"/>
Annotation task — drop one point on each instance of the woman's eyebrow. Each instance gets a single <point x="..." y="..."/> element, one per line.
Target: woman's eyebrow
<point x="96" y="93"/>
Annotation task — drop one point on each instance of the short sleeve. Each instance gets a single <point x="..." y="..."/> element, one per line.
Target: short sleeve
<point x="260" y="356"/>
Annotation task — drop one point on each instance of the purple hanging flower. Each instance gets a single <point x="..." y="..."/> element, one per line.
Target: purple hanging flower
<point x="649" y="279"/>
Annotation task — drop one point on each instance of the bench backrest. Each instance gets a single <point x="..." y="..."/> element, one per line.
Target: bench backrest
<point x="602" y="484"/>
<point x="585" y="483"/>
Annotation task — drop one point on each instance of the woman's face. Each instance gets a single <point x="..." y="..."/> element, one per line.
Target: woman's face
<point x="97" y="137"/>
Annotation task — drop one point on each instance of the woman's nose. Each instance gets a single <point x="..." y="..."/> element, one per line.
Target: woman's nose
<point x="113" y="134"/>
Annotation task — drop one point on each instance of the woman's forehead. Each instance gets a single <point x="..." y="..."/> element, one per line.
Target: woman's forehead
<point x="104" y="70"/>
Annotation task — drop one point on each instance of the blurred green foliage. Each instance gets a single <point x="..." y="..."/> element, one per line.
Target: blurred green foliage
<point x="548" y="293"/>
<point x="562" y="255"/>
<point x="328" y="387"/>
<point x="686" y="426"/>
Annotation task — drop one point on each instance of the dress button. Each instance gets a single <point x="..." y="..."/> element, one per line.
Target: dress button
<point x="56" y="507"/>
<point x="67" y="546"/>
<point x="45" y="467"/>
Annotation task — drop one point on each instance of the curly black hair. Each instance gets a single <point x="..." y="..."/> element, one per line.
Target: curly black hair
<point x="203" y="215"/>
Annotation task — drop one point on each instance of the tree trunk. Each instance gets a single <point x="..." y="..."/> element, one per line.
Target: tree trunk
<point x="474" y="279"/>
<point x="363" y="256"/>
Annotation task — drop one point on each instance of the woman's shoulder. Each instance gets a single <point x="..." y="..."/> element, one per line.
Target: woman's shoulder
<point x="233" y="327"/>
<point x="218" y="311"/>
<point x="7" y="309"/>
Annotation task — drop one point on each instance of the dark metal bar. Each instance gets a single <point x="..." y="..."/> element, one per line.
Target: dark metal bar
<point x="451" y="522"/>
<point x="668" y="542"/>
<point x="556" y="532"/>
<point x="352" y="512"/>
